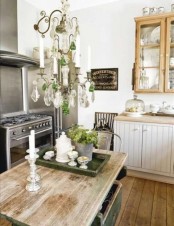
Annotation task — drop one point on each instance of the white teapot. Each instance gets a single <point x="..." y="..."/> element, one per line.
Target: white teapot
<point x="63" y="146"/>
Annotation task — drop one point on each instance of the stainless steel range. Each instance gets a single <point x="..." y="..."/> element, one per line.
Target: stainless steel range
<point x="14" y="132"/>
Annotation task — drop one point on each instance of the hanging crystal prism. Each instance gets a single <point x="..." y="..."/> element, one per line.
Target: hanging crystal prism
<point x="58" y="100"/>
<point x="47" y="98"/>
<point x="35" y="94"/>
<point x="72" y="98"/>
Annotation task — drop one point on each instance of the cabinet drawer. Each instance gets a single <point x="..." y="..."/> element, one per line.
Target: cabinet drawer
<point x="110" y="208"/>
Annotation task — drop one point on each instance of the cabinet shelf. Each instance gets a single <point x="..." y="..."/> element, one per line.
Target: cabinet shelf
<point x="151" y="67"/>
<point x="149" y="46"/>
<point x="151" y="55"/>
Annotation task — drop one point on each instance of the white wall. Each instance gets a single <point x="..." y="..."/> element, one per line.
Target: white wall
<point x="110" y="31"/>
<point x="27" y="36"/>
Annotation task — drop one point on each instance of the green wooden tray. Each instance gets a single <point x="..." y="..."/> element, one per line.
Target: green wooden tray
<point x="94" y="166"/>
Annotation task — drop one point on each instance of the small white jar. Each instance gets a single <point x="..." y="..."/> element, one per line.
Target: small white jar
<point x="146" y="11"/>
<point x="153" y="10"/>
<point x="161" y="10"/>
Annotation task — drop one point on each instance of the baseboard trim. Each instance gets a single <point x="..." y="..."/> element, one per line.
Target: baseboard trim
<point x="150" y="176"/>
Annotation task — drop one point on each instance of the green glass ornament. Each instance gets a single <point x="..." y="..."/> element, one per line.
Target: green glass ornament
<point x="91" y="88"/>
<point x="63" y="61"/>
<point x="72" y="46"/>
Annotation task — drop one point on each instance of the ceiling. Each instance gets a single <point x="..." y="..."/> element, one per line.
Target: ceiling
<point x="75" y="4"/>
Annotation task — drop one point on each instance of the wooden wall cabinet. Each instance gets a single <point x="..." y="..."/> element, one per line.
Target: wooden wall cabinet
<point x="150" y="146"/>
<point x="154" y="54"/>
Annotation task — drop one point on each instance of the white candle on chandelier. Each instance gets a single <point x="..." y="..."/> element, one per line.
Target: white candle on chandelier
<point x="55" y="66"/>
<point x="41" y="53"/>
<point x="89" y="59"/>
<point x="77" y="61"/>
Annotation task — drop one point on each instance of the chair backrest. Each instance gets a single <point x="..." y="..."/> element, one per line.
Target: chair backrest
<point x="104" y="119"/>
<point x="105" y="138"/>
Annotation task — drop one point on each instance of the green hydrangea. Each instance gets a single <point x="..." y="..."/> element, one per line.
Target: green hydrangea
<point x="84" y="136"/>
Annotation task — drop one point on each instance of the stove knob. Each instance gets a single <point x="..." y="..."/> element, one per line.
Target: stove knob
<point x="43" y="124"/>
<point x="37" y="126"/>
<point x="23" y="130"/>
<point x="40" y="125"/>
<point x="14" y="133"/>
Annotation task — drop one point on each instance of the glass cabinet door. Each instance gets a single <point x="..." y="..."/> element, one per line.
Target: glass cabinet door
<point x="149" y="56"/>
<point x="169" y="76"/>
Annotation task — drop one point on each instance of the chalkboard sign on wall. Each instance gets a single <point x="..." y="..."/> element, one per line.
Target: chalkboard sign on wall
<point x="105" y="79"/>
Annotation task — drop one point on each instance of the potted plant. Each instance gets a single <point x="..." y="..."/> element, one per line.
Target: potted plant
<point x="83" y="139"/>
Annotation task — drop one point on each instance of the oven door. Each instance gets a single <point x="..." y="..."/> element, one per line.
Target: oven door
<point x="19" y="145"/>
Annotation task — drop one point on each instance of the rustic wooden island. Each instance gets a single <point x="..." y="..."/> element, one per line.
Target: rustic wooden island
<point x="65" y="198"/>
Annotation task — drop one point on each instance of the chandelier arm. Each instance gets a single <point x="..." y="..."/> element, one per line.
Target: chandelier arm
<point x="73" y="19"/>
<point x="47" y="20"/>
<point x="71" y="35"/>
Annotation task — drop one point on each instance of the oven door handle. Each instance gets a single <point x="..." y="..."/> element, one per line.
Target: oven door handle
<point x="20" y="138"/>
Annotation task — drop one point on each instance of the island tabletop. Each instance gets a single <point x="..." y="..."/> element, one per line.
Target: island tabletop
<point x="65" y="198"/>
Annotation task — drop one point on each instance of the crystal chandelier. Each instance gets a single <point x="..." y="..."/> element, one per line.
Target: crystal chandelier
<point x="59" y="88"/>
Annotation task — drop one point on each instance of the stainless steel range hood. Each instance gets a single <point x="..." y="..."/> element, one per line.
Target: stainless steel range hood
<point x="9" y="37"/>
<point x="16" y="60"/>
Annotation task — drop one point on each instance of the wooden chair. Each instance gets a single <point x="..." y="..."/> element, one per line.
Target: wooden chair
<point x="104" y="121"/>
<point x="105" y="139"/>
<point x="105" y="142"/>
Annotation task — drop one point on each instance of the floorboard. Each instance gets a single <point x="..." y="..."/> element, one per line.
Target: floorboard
<point x="170" y="205"/>
<point x="144" y="213"/>
<point x="146" y="203"/>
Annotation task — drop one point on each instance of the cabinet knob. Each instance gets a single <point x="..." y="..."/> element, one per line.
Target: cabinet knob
<point x="136" y="129"/>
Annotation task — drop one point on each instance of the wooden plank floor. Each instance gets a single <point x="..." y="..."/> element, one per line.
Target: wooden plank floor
<point x="146" y="203"/>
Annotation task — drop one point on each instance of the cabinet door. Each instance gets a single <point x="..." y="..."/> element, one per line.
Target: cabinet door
<point x="169" y="76"/>
<point x="149" y="62"/>
<point x="157" y="148"/>
<point x="131" y="135"/>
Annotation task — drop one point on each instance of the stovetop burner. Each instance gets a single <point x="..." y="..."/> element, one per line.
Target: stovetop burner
<point x="9" y="121"/>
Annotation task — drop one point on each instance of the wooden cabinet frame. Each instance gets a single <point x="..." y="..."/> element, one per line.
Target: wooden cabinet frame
<point x="164" y="46"/>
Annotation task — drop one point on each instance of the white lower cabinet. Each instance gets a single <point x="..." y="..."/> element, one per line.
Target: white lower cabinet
<point x="157" y="148"/>
<point x="131" y="135"/>
<point x="150" y="147"/>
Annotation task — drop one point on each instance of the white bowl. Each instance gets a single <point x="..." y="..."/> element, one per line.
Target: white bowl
<point x="49" y="154"/>
<point x="154" y="108"/>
